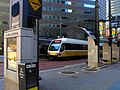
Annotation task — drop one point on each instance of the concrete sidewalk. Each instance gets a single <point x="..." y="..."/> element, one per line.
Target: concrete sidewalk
<point x="105" y="78"/>
<point x="76" y="77"/>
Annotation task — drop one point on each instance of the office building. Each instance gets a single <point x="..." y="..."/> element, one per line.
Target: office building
<point x="60" y="14"/>
<point x="115" y="10"/>
<point x="115" y="7"/>
<point x="102" y="9"/>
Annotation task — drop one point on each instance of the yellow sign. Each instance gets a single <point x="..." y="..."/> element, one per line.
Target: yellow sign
<point x="35" y="4"/>
<point x="113" y="31"/>
<point x="101" y="25"/>
<point x="34" y="88"/>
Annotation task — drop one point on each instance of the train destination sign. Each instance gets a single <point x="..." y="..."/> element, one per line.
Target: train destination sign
<point x="35" y="4"/>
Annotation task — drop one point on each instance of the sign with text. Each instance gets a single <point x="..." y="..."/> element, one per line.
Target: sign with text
<point x="12" y="53"/>
<point x="114" y="32"/>
<point x="107" y="30"/>
<point x="101" y="28"/>
<point x="34" y="8"/>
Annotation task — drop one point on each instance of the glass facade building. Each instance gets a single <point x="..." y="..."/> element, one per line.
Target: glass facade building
<point x="115" y="7"/>
<point x="115" y="10"/>
<point x="102" y="9"/>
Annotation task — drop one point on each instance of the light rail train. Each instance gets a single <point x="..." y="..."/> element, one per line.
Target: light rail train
<point x="67" y="47"/>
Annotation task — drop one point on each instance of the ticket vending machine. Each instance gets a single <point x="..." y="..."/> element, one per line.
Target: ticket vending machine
<point x="27" y="76"/>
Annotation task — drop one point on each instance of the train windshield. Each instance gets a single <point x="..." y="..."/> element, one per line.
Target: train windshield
<point x="55" y="45"/>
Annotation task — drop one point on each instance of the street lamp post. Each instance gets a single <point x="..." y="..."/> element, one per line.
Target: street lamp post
<point x="97" y="27"/>
<point x="37" y="33"/>
<point x="60" y="27"/>
<point x="110" y="38"/>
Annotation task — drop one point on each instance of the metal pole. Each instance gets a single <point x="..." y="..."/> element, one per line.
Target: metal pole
<point x="37" y="33"/>
<point x="60" y="26"/>
<point x="109" y="1"/>
<point x="119" y="52"/>
<point x="97" y="27"/>
<point x="2" y="43"/>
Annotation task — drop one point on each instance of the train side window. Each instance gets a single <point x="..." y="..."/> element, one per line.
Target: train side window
<point x="84" y="47"/>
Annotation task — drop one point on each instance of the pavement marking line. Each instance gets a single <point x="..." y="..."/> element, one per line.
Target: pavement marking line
<point x="68" y="66"/>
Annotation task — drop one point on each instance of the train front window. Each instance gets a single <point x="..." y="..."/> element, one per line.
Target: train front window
<point x="55" y="45"/>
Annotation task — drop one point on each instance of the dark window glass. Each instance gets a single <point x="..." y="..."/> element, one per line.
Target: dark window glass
<point x="75" y="47"/>
<point x="63" y="2"/>
<point x="15" y="9"/>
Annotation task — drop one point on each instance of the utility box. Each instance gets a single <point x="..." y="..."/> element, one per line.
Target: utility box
<point x="28" y="76"/>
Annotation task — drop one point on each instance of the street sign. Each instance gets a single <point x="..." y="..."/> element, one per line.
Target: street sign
<point x="35" y="4"/>
<point x="101" y="28"/>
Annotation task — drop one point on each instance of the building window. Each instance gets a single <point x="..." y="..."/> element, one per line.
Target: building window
<point x="89" y="6"/>
<point x="68" y="3"/>
<point x="87" y="12"/>
<point x="92" y="0"/>
<point x="53" y="25"/>
<point x="67" y="10"/>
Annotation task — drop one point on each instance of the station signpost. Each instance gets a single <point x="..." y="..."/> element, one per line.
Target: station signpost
<point x="21" y="62"/>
